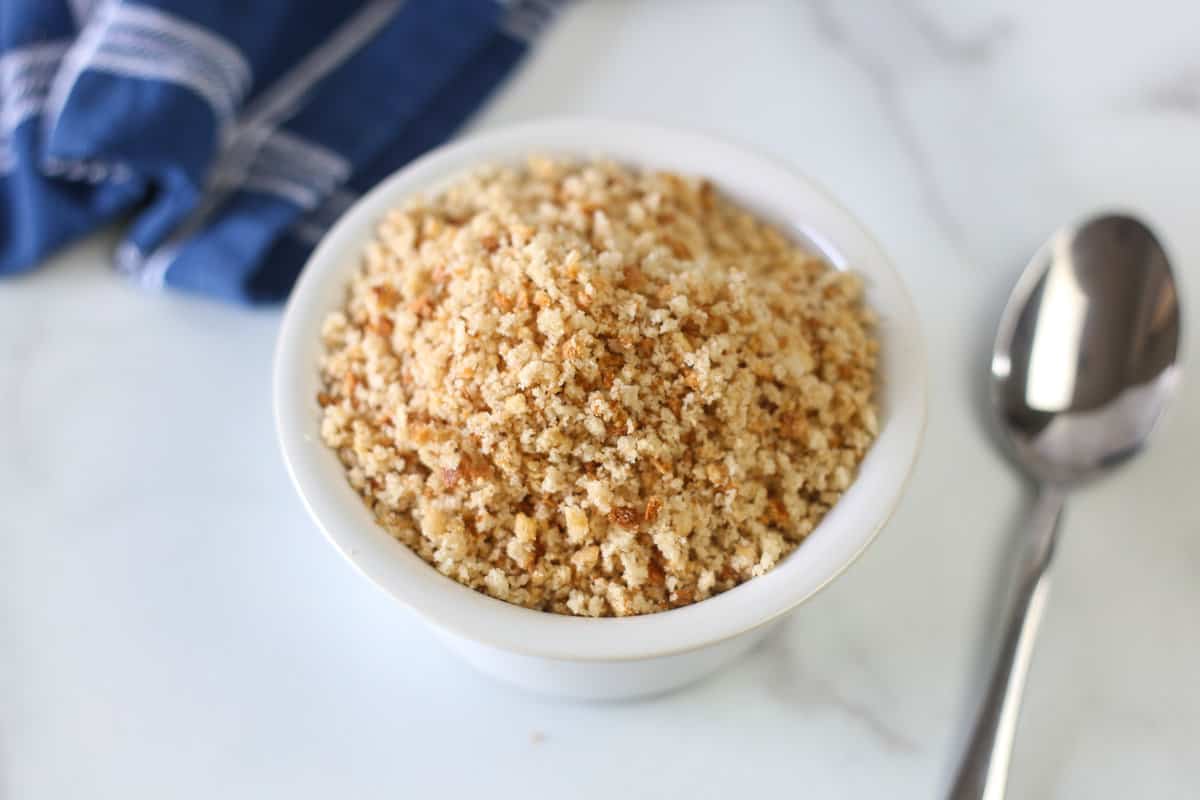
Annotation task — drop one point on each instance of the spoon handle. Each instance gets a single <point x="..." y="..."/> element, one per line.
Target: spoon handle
<point x="984" y="769"/>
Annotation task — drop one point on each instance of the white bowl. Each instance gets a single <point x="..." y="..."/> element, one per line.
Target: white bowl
<point x="605" y="658"/>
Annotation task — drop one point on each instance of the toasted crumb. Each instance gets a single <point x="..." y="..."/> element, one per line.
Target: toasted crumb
<point x="594" y="391"/>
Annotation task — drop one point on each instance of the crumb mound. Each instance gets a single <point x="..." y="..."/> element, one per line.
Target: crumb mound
<point x="595" y="391"/>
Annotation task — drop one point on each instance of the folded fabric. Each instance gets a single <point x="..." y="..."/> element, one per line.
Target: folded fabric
<point x="231" y="139"/>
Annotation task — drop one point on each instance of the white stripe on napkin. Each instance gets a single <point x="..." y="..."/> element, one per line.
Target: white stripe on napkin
<point x="291" y="167"/>
<point x="286" y="165"/>
<point x="142" y="42"/>
<point x="25" y="77"/>
<point x="311" y="227"/>
<point x="284" y="97"/>
<point x="82" y="10"/>
<point x="259" y="124"/>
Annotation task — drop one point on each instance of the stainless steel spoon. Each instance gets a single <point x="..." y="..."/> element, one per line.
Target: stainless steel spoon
<point x="1084" y="362"/>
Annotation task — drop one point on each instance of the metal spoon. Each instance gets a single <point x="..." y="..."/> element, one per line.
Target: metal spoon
<point x="1084" y="362"/>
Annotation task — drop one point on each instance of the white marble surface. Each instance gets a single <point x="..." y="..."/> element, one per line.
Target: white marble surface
<point x="171" y="625"/>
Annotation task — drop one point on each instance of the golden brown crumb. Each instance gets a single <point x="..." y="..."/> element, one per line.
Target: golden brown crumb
<point x="595" y="391"/>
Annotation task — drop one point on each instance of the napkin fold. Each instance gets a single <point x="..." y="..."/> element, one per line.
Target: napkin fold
<point x="231" y="139"/>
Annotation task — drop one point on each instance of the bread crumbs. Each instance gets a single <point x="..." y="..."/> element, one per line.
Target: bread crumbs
<point x="590" y="390"/>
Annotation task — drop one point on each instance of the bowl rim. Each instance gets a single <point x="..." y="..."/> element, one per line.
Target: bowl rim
<point x="769" y="187"/>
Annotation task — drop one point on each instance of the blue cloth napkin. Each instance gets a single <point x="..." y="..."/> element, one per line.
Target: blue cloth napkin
<point x="230" y="138"/>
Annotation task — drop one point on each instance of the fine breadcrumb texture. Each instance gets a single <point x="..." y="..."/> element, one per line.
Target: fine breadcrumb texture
<point x="594" y="391"/>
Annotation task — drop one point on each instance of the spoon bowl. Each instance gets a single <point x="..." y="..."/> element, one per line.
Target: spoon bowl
<point x="1086" y="354"/>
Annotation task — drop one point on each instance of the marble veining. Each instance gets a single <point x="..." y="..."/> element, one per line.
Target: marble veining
<point x="1178" y="93"/>
<point x="975" y="49"/>
<point x="872" y="49"/>
<point x="791" y="681"/>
